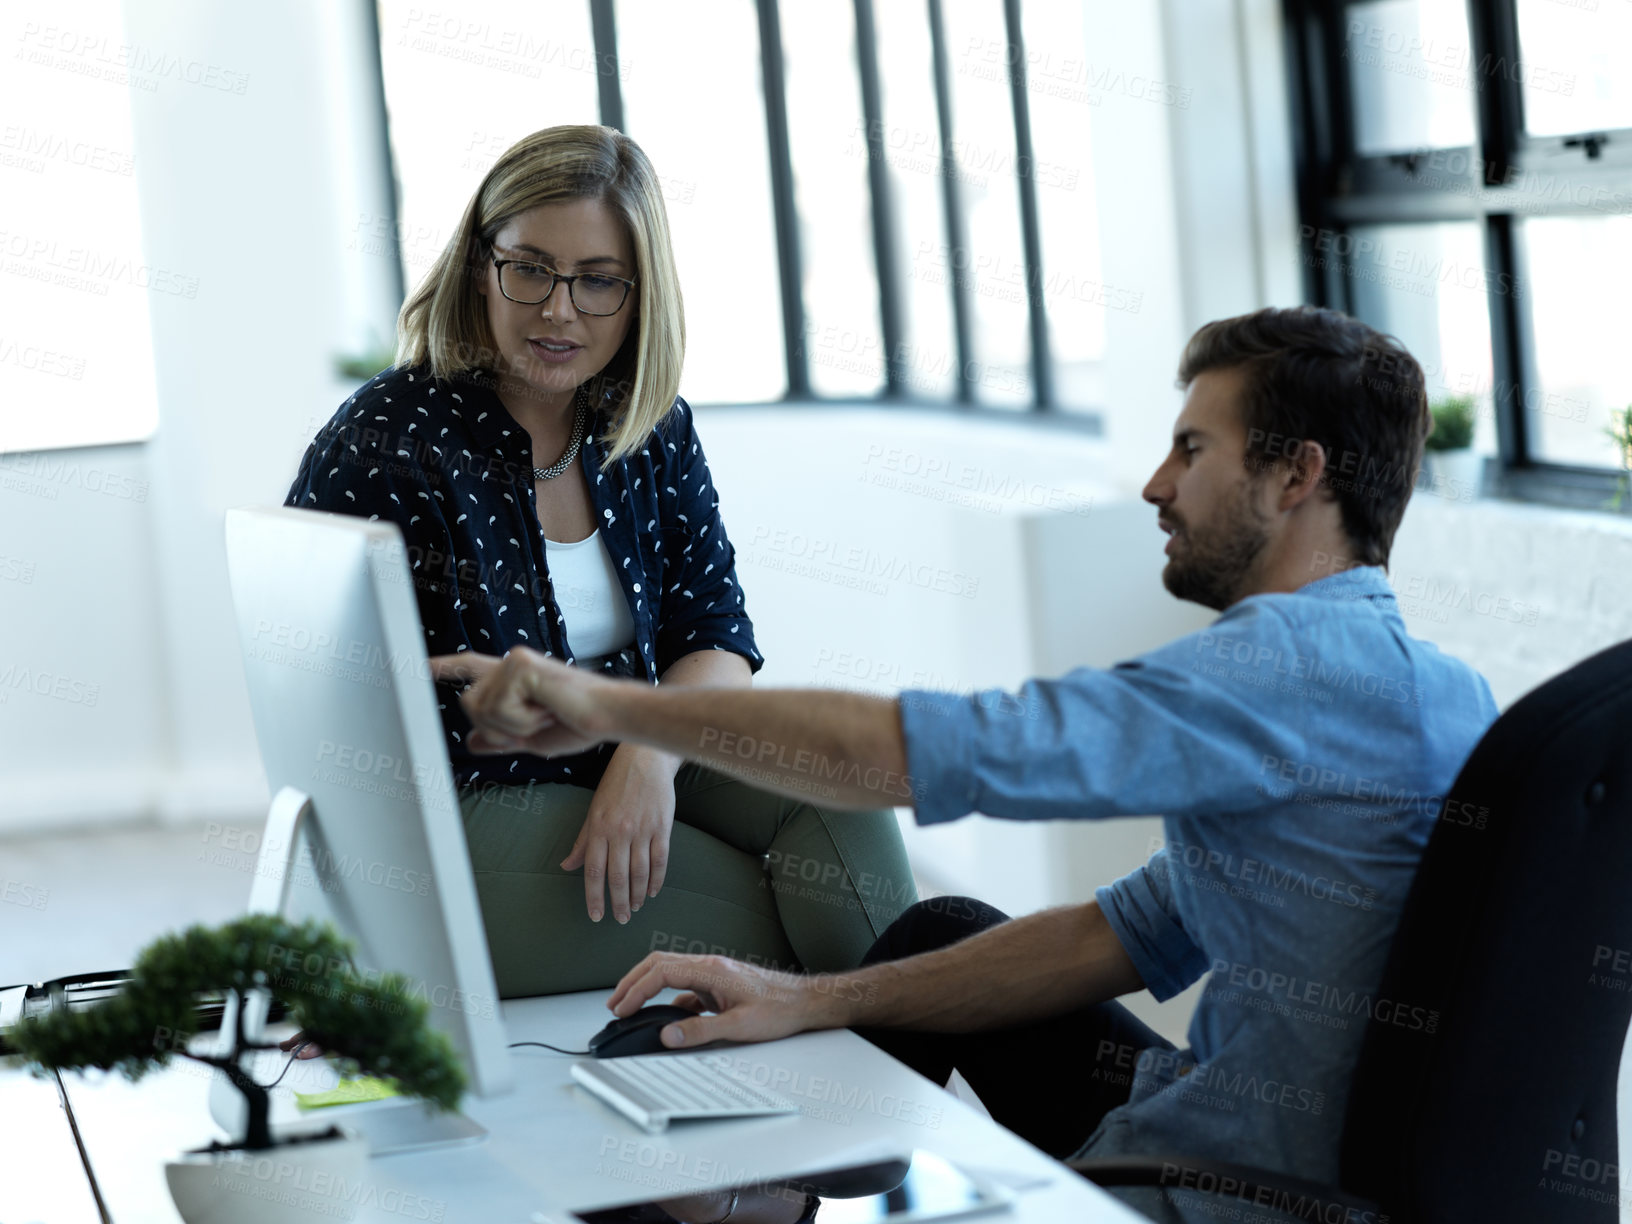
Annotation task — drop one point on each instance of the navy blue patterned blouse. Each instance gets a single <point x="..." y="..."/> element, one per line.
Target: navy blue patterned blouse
<point x="451" y="467"/>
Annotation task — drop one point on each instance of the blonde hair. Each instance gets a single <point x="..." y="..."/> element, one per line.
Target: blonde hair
<point x="444" y="321"/>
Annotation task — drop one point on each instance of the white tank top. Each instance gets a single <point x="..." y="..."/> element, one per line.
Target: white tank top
<point x="593" y="605"/>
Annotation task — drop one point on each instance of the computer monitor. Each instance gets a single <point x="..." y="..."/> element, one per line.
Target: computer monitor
<point x="364" y="828"/>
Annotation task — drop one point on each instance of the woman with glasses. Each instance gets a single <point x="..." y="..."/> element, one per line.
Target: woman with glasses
<point x="552" y="493"/>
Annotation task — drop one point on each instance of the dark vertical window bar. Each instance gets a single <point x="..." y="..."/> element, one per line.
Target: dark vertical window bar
<point x="1494" y="35"/>
<point x="1310" y="124"/>
<point x="1511" y="376"/>
<point x="604" y="28"/>
<point x="789" y="265"/>
<point x="1498" y="97"/>
<point x="878" y="187"/>
<point x="376" y="66"/>
<point x="1025" y="168"/>
<point x="952" y="204"/>
<point x="1341" y="154"/>
<point x="1312" y="139"/>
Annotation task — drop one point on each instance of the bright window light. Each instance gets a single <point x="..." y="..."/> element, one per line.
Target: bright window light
<point x="76" y="350"/>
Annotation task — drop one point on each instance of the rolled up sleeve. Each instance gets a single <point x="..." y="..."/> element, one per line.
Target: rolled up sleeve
<point x="1154" y="735"/>
<point x="937" y="729"/>
<point x="1139" y="907"/>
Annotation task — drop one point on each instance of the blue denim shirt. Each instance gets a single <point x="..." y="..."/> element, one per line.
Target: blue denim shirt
<point x="1299" y="750"/>
<point x="449" y="465"/>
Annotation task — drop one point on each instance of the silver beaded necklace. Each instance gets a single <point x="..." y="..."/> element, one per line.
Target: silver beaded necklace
<point x="580" y="418"/>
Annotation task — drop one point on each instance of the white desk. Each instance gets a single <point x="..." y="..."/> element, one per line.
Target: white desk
<point x="41" y="1176"/>
<point x="551" y="1145"/>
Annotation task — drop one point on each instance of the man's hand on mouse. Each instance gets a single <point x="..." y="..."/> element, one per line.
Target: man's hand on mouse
<point x="751" y="1003"/>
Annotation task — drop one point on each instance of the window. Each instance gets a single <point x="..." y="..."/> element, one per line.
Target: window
<point x="868" y="199"/>
<point x="1573" y="68"/>
<point x="827" y="138"/>
<point x="1580" y="333"/>
<point x="1425" y="285"/>
<point x="1075" y="294"/>
<point x="701" y="119"/>
<point x="1465" y="180"/>
<point x="989" y="265"/>
<point x="1409" y="82"/>
<point x="908" y="137"/>
<point x="461" y="87"/>
<point x="74" y="326"/>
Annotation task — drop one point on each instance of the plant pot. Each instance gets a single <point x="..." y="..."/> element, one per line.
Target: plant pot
<point x="297" y="1179"/>
<point x="1453" y="475"/>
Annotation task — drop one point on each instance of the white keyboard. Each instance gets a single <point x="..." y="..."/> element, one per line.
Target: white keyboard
<point x="652" y="1090"/>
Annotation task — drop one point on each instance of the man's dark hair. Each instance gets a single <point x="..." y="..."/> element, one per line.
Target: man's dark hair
<point x="1320" y="376"/>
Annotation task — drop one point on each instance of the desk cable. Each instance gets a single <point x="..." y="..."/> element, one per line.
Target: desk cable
<point x="295" y="1053"/>
<point x="543" y="1045"/>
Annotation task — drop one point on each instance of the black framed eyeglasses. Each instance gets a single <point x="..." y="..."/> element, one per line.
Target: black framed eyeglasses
<point x="592" y="293"/>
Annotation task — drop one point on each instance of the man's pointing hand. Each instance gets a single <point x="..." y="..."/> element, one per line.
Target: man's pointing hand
<point x="526" y="702"/>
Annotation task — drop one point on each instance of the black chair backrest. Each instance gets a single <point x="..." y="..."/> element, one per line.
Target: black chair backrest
<point x="1496" y="1100"/>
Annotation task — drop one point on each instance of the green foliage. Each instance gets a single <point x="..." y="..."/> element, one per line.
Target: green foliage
<point x="1453" y="424"/>
<point x="1620" y="433"/>
<point x="368" y="363"/>
<point x="376" y="1026"/>
<point x="129" y="1034"/>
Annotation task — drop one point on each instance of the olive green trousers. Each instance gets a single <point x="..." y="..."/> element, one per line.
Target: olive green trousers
<point x="751" y="875"/>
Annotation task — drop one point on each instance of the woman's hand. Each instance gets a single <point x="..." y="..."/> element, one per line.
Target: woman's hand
<point x="624" y="844"/>
<point x="527" y="702"/>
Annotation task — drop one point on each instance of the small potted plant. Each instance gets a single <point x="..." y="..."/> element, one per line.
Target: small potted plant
<point x="1450" y="464"/>
<point x="374" y="1027"/>
<point x="361" y="364"/>
<point x="1620" y="433"/>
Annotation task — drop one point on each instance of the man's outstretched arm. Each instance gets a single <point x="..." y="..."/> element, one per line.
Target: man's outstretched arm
<point x="1026" y="969"/>
<point x="845" y="749"/>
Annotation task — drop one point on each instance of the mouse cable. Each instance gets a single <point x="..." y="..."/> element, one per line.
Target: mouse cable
<point x="282" y="1073"/>
<point x="293" y="1054"/>
<point x="546" y="1046"/>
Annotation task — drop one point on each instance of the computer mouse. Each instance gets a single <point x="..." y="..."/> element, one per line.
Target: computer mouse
<point x="640" y="1033"/>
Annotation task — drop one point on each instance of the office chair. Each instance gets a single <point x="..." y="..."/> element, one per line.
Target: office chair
<point x="1517" y="931"/>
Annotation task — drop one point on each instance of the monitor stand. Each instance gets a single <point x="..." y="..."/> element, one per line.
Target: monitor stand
<point x="396" y="1124"/>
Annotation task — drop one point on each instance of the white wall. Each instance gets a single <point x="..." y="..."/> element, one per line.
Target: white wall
<point x="1521" y="592"/>
<point x="1017" y="556"/>
<point x="83" y="717"/>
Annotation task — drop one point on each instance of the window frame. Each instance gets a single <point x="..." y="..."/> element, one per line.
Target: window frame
<point x="1337" y="188"/>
